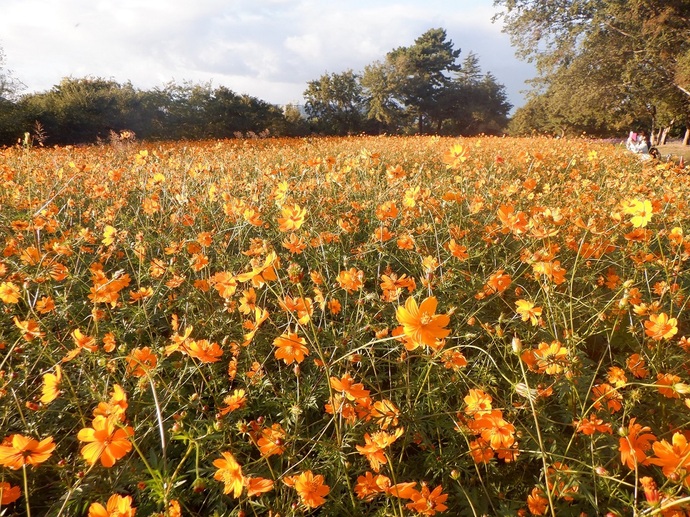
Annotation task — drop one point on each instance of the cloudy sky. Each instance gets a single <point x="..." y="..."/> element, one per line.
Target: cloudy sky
<point x="269" y="49"/>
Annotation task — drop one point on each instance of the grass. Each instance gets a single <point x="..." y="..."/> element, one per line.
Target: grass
<point x="676" y="149"/>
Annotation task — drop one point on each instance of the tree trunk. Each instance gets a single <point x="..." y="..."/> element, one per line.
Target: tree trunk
<point x="686" y="138"/>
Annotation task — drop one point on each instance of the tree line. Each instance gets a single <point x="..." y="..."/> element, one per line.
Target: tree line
<point x="422" y="88"/>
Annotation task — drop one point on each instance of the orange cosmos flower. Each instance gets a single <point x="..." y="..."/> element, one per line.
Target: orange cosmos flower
<point x="528" y="311"/>
<point x="478" y="403"/>
<point x="537" y="502"/>
<point x="385" y="413"/>
<point x="426" y="502"/>
<point x="30" y="256"/>
<point x="674" y="457"/>
<point x="17" y="451"/>
<point x="223" y="282"/>
<point x="392" y="286"/>
<point x="345" y="408"/>
<point x="272" y="441"/>
<point x="616" y="376"/>
<point x="234" y="401"/>
<point x="141" y="294"/>
<point x="405" y="242"/>
<point x="230" y="473"/>
<point x="512" y="222"/>
<point x="481" y="451"/>
<point x="303" y="307"/>
<point x="660" y="326"/>
<point x="105" y="441"/>
<point x="386" y="210"/>
<point x="29" y="329"/>
<point x="9" y="292"/>
<point x="454" y="156"/>
<point x="258" y="486"/>
<point x="106" y="290"/>
<point x="494" y="430"/>
<point x="117" y="506"/>
<point x="383" y="234"/>
<point x="551" y="359"/>
<point x="83" y="341"/>
<point x="403" y="490"/>
<point x="334" y="306"/>
<point x="374" y="446"/>
<point x="668" y="379"/>
<point x="51" y="385"/>
<point x="457" y="250"/>
<point x="293" y="218"/>
<point x="454" y="359"/>
<point x="651" y="492"/>
<point x="311" y="489"/>
<point x="394" y="173"/>
<point x="348" y="387"/>
<point x="421" y="325"/>
<point x="641" y="211"/>
<point x="45" y="305"/>
<point x="260" y="274"/>
<point x="607" y="393"/>
<point x="140" y="361"/>
<point x="369" y="486"/>
<point x="550" y="270"/>
<point x="636" y="366"/>
<point x="8" y="493"/>
<point x="294" y="244"/>
<point x="290" y="348"/>
<point x="498" y="282"/>
<point x="675" y="236"/>
<point x="198" y="261"/>
<point x="351" y="280"/>
<point x="204" y="351"/>
<point x="634" y="444"/>
<point x="117" y="405"/>
<point x="174" y="509"/>
<point x="591" y="425"/>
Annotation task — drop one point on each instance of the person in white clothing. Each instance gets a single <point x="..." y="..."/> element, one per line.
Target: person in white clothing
<point x="638" y="142"/>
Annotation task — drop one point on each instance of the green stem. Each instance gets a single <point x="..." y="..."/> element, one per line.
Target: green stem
<point x="26" y="491"/>
<point x="541" y="442"/>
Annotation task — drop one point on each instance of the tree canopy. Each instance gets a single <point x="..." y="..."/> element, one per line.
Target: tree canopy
<point x="604" y="64"/>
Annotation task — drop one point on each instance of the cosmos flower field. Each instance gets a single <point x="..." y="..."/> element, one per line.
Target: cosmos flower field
<point x="369" y="326"/>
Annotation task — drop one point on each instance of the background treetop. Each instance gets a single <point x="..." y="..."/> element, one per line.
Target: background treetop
<point x="628" y="59"/>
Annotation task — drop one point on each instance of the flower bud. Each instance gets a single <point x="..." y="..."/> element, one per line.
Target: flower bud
<point x="601" y="471"/>
<point x="682" y="388"/>
<point x="516" y="345"/>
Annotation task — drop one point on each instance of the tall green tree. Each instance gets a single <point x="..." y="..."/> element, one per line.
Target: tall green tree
<point x="475" y="102"/>
<point x="382" y="106"/>
<point x="334" y="103"/>
<point x="598" y="57"/>
<point x="422" y="74"/>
